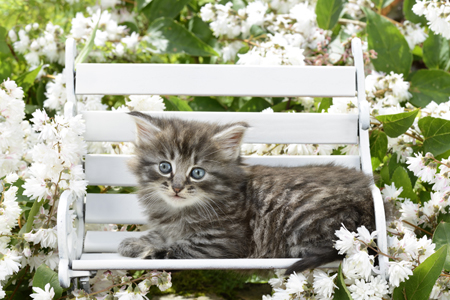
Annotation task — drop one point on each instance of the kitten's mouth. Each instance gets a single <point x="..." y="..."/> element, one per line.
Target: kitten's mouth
<point x="178" y="197"/>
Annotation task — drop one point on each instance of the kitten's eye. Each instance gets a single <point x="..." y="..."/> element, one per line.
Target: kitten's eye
<point x="165" y="167"/>
<point x="197" y="173"/>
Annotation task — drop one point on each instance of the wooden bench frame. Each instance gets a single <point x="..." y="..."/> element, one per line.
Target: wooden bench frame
<point x="202" y="80"/>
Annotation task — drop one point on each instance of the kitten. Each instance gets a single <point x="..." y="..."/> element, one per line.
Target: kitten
<point x="203" y="202"/>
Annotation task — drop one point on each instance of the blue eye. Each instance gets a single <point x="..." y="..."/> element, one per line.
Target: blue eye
<point x="165" y="167"/>
<point x="197" y="173"/>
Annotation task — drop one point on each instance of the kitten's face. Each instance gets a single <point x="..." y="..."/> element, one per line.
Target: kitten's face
<point x="186" y="163"/>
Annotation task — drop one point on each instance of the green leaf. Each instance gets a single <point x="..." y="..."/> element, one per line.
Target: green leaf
<point x="436" y="132"/>
<point x="45" y="275"/>
<point x="325" y="104"/>
<point x="401" y="179"/>
<point x="378" y="144"/>
<point x="181" y="104"/>
<point x="27" y="79"/>
<point x="397" y="124"/>
<point x="341" y="292"/>
<point x="436" y="51"/>
<point x="254" y="105"/>
<point x="169" y="37"/>
<point x="410" y="15"/>
<point x="393" y="53"/>
<point x="328" y="12"/>
<point x="5" y="68"/>
<point x="87" y="47"/>
<point x="40" y="94"/>
<point x="164" y="8"/>
<point x="429" y="85"/>
<point x="131" y="26"/>
<point x="206" y="104"/>
<point x="256" y="31"/>
<point x="200" y="29"/>
<point x="3" y="45"/>
<point x="143" y="3"/>
<point x="441" y="237"/>
<point x="420" y="284"/>
<point x="33" y="212"/>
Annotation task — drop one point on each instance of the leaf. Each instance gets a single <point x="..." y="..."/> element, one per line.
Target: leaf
<point x="5" y="68"/>
<point x="410" y="15"/>
<point x="142" y="4"/>
<point x="3" y="45"/>
<point x="254" y="105"/>
<point x="328" y="12"/>
<point x="169" y="37"/>
<point x="378" y="144"/>
<point x="131" y="26"/>
<point x="436" y="132"/>
<point x="436" y="51"/>
<point x="325" y="104"/>
<point x="206" y="104"/>
<point x="429" y="85"/>
<point x="163" y="8"/>
<point x="26" y="80"/>
<point x="182" y="105"/>
<point x="341" y="292"/>
<point x="441" y="237"/>
<point x="397" y="124"/>
<point x="257" y="31"/>
<point x="200" y="29"/>
<point x="392" y="49"/>
<point x="420" y="284"/>
<point x="401" y="179"/>
<point x="40" y="94"/>
<point x="87" y="47"/>
<point x="33" y="212"/>
<point x="45" y="275"/>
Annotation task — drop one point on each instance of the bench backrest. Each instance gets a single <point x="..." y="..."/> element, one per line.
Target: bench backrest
<point x="217" y="80"/>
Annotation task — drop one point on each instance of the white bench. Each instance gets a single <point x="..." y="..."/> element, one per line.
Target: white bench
<point x="83" y="252"/>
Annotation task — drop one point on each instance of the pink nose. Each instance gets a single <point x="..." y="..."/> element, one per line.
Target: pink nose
<point x="176" y="190"/>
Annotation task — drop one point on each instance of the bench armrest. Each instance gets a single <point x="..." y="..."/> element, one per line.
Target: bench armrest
<point x="380" y="222"/>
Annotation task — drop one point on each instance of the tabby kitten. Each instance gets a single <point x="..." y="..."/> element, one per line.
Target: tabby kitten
<point x="203" y="202"/>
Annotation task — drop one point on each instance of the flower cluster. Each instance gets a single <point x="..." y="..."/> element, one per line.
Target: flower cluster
<point x="437" y="14"/>
<point x="413" y="33"/>
<point x="441" y="110"/>
<point x="38" y="45"/>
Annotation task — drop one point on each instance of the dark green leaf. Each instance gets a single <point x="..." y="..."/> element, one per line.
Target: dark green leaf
<point x="254" y="105"/>
<point x="436" y="51"/>
<point x="410" y="15"/>
<point x="206" y="104"/>
<point x="27" y="79"/>
<point x="131" y="26"/>
<point x="40" y="94"/>
<point x="87" y="47"/>
<point x="325" y="104"/>
<point x="3" y="45"/>
<point x="45" y="275"/>
<point x="436" y="134"/>
<point x="30" y="108"/>
<point x="393" y="53"/>
<point x="33" y="212"/>
<point x="200" y="29"/>
<point x="257" y="31"/>
<point x="328" y="12"/>
<point x="378" y="144"/>
<point x="441" y="237"/>
<point x="393" y="164"/>
<point x="429" y="85"/>
<point x="143" y="3"/>
<point x="420" y="284"/>
<point x="181" y="104"/>
<point x="169" y="37"/>
<point x="401" y="179"/>
<point x="443" y="218"/>
<point x="5" y="68"/>
<point x="397" y="124"/>
<point x="341" y="292"/>
<point x="164" y="8"/>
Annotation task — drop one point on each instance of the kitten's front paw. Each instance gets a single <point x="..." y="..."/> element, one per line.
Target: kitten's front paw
<point x="161" y="254"/>
<point x="134" y="247"/>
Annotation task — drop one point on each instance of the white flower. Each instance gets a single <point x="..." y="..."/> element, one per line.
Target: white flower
<point x="344" y="105"/>
<point x="146" y="103"/>
<point x="229" y="51"/>
<point x="416" y="164"/>
<point x="9" y="263"/>
<point x="358" y="265"/>
<point x="323" y="284"/>
<point x="375" y="289"/>
<point x="40" y="294"/>
<point x="391" y="192"/>
<point x="346" y="241"/>
<point x="11" y="178"/>
<point x="295" y="283"/>
<point x="399" y="272"/>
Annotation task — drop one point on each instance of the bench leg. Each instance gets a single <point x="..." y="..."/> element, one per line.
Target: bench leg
<point x="84" y="282"/>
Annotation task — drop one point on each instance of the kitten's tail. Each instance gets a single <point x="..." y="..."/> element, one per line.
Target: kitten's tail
<point x="312" y="261"/>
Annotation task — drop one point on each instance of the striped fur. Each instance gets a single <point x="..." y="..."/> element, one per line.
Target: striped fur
<point x="238" y="211"/>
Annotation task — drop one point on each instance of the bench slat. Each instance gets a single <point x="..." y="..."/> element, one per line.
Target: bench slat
<point x="106" y="241"/>
<point x="208" y="80"/>
<point x="112" y="169"/>
<point x="114" y="261"/>
<point x="302" y="128"/>
<point x="113" y="209"/>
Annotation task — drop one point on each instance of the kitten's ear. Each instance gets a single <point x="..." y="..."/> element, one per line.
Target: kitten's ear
<point x="146" y="129"/>
<point x="229" y="139"/>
